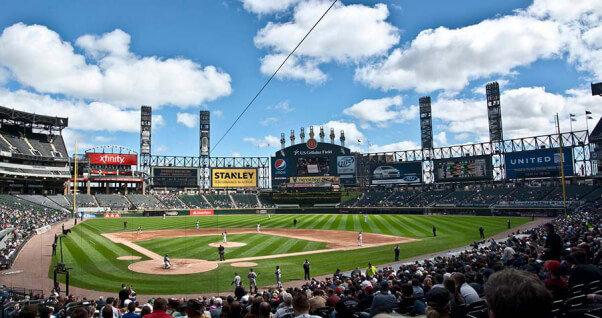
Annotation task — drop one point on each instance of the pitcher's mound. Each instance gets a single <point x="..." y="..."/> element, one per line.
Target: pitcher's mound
<point x="179" y="266"/>
<point x="129" y="258"/>
<point x="229" y="244"/>
<point x="243" y="264"/>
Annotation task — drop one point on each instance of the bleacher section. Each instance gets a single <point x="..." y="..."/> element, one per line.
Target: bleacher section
<point x="171" y="201"/>
<point x="113" y="201"/>
<point x="373" y="198"/>
<point x="41" y="200"/>
<point x="245" y="201"/>
<point x="24" y="141"/>
<point x="60" y="200"/>
<point x="83" y="200"/>
<point x="528" y="194"/>
<point x="147" y="202"/>
<point x="428" y="198"/>
<point x="219" y="201"/>
<point x="194" y="201"/>
<point x="574" y="192"/>
<point x="455" y="198"/>
<point x="487" y="197"/>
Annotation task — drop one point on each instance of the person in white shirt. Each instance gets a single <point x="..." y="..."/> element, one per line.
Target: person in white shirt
<point x="359" y="239"/>
<point x="197" y="224"/>
<point x="258" y="227"/>
<point x="468" y="293"/>
<point x="224" y="238"/>
<point x="278" y="276"/>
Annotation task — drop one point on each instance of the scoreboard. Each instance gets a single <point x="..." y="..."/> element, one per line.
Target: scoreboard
<point x="175" y="177"/>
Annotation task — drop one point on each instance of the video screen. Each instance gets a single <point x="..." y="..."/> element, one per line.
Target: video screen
<point x="463" y="169"/>
<point x="313" y="166"/>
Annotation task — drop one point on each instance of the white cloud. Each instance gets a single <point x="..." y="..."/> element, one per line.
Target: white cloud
<point x="268" y="121"/>
<point x="161" y="148"/>
<point x="398" y="146"/>
<point x="462" y="136"/>
<point x="267" y="6"/>
<point x="382" y="110"/>
<point x="93" y="116"/>
<point x="267" y="141"/>
<point x="104" y="139"/>
<point x="440" y="139"/>
<point x="565" y="10"/>
<point x="187" y="119"/>
<point x="282" y="106"/>
<point x="37" y="57"/>
<point x="218" y="113"/>
<point x="448" y="59"/>
<point x="341" y="36"/>
<point x="235" y="154"/>
<point x="526" y="111"/>
<point x="157" y="122"/>
<point x="71" y="137"/>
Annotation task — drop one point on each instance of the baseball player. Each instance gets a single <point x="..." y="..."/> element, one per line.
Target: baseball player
<point x="252" y="279"/>
<point x="166" y="262"/>
<point x="258" y="227"/>
<point x="278" y="276"/>
<point x="197" y="224"/>
<point x="139" y="230"/>
<point x="359" y="239"/>
<point x="269" y="216"/>
<point x="365" y="218"/>
<point x="236" y="281"/>
<point x="224" y="237"/>
<point x="163" y="215"/>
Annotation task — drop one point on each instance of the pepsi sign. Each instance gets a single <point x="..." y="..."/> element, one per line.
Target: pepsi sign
<point x="345" y="164"/>
<point x="280" y="165"/>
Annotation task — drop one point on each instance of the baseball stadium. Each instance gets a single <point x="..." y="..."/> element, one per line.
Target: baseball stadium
<point x="315" y="222"/>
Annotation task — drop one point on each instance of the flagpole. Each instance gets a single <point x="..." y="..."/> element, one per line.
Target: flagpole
<point x="562" y="176"/>
<point x="587" y="124"/>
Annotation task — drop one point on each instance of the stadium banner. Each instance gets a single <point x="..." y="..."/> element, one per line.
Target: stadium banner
<point x="234" y="177"/>
<point x="175" y="177"/>
<point x="313" y="159"/>
<point x="538" y="163"/>
<point x="330" y="179"/>
<point x="111" y="159"/>
<point x="463" y="169"/>
<point x="146" y="120"/>
<point x="112" y="215"/>
<point x="204" y="212"/>
<point x="396" y="173"/>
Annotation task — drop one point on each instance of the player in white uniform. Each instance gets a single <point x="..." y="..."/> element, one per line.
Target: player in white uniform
<point x="258" y="227"/>
<point x="278" y="276"/>
<point x="139" y="230"/>
<point x="224" y="237"/>
<point x="365" y="218"/>
<point x="197" y="224"/>
<point x="359" y="239"/>
<point x="163" y="215"/>
<point x="236" y="280"/>
<point x="166" y="262"/>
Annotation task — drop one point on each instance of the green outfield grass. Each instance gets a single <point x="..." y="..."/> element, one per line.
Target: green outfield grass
<point x="93" y="258"/>
<point x="257" y="245"/>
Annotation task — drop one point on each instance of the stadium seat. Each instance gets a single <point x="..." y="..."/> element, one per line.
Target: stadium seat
<point x="481" y="313"/>
<point x="323" y="312"/>
<point x="481" y="304"/>
<point x="458" y="311"/>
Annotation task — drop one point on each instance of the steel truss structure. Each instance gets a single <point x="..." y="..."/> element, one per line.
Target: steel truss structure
<point x="579" y="140"/>
<point x="206" y="163"/>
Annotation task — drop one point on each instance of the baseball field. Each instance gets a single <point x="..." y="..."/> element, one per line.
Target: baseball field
<point x="102" y="254"/>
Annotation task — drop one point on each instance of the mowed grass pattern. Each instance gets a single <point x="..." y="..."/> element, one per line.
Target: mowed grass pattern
<point x="257" y="245"/>
<point x="94" y="263"/>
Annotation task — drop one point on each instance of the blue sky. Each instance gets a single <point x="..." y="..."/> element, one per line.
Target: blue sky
<point x="362" y="70"/>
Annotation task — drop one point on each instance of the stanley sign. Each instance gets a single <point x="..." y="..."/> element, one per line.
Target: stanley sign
<point x="234" y="178"/>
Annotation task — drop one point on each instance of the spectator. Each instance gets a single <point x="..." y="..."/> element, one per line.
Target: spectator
<point x="159" y="309"/>
<point x="557" y="285"/>
<point x="217" y="311"/>
<point x="468" y="293"/>
<point x="583" y="273"/>
<point x="286" y="310"/>
<point x="437" y="303"/>
<point x="517" y="294"/>
<point x="384" y="302"/>
<point x="408" y="303"/>
<point x="131" y="311"/>
<point x="301" y="306"/>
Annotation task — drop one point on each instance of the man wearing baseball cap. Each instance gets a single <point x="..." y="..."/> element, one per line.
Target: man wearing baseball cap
<point x="437" y="303"/>
<point x="557" y="285"/>
<point x="194" y="308"/>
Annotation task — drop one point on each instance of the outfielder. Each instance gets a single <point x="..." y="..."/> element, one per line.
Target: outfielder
<point x="197" y="224"/>
<point x="224" y="238"/>
<point x="258" y="227"/>
<point x="139" y="230"/>
<point x="163" y="215"/>
<point x="359" y="239"/>
<point x="252" y="280"/>
<point x="166" y="262"/>
<point x="365" y="218"/>
<point x="278" y="276"/>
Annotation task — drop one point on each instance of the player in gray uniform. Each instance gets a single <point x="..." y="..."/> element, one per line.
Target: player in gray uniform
<point x="236" y="281"/>
<point x="252" y="280"/>
<point x="278" y="276"/>
<point x="197" y="224"/>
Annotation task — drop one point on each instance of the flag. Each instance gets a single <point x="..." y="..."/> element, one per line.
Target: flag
<point x="587" y="112"/>
<point x="590" y="117"/>
<point x="573" y="119"/>
<point x="572" y="115"/>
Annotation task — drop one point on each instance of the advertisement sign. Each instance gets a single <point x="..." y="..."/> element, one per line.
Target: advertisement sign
<point x="175" y="177"/>
<point x="146" y="118"/>
<point x="463" y="169"/>
<point x="538" y="163"/>
<point x="234" y="177"/>
<point x="314" y="159"/>
<point x="394" y="173"/>
<point x="204" y="212"/>
<point x="331" y="179"/>
<point x="112" y="215"/>
<point x="112" y="159"/>
<point x="346" y="165"/>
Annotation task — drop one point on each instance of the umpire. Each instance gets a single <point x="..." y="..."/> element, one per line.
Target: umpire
<point x="306" y="269"/>
<point x="221" y="252"/>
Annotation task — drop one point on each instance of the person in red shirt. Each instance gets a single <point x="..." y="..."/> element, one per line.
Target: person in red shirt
<point x="159" y="309"/>
<point x="557" y="285"/>
<point x="332" y="299"/>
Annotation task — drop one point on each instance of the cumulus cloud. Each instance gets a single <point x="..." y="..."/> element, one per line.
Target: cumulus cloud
<point x="282" y="106"/>
<point x="37" y="57"/>
<point x="268" y="121"/>
<point x="448" y="59"/>
<point x="218" y="113"/>
<point x="94" y="116"/>
<point x="267" y="141"/>
<point x="187" y="119"/>
<point x="341" y="36"/>
<point x="267" y="6"/>
<point x="104" y="139"/>
<point x="397" y="146"/>
<point x="381" y="111"/>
